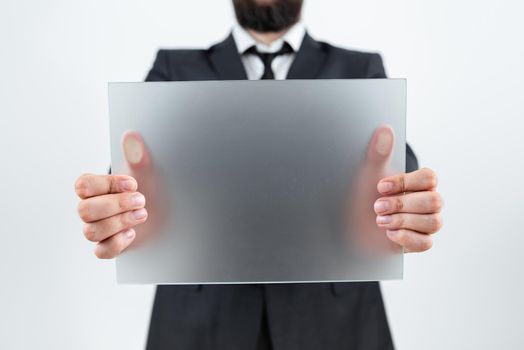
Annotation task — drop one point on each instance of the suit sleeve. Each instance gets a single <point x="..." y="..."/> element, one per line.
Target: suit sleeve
<point x="411" y="159"/>
<point x="375" y="69"/>
<point x="160" y="70"/>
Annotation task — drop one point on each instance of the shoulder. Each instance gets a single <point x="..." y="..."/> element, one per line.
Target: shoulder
<point x="347" y="53"/>
<point x="180" y="64"/>
<point x="180" y="55"/>
<point x="356" y="63"/>
<point x="174" y="58"/>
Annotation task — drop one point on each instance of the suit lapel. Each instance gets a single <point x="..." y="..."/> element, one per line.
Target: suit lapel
<point x="226" y="60"/>
<point x="309" y="60"/>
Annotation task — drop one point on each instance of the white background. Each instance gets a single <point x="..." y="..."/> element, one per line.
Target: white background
<point x="464" y="64"/>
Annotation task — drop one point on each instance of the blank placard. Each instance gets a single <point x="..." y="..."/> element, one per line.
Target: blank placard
<point x="259" y="181"/>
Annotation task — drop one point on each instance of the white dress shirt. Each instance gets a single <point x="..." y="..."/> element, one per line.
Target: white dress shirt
<point x="253" y="64"/>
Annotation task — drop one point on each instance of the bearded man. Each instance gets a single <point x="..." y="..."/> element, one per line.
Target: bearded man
<point x="269" y="41"/>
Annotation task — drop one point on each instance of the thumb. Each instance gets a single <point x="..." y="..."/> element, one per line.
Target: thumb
<point x="380" y="146"/>
<point x="150" y="184"/>
<point x="363" y="229"/>
<point x="135" y="151"/>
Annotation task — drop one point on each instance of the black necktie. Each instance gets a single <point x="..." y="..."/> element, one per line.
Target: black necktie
<point x="267" y="58"/>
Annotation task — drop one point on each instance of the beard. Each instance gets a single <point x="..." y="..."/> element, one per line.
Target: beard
<point x="267" y="15"/>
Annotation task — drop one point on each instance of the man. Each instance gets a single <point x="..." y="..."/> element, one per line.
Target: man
<point x="269" y="42"/>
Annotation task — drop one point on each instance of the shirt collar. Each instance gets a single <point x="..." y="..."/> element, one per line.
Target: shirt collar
<point x="294" y="37"/>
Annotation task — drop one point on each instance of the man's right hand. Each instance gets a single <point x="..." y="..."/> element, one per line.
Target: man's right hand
<point x="110" y="205"/>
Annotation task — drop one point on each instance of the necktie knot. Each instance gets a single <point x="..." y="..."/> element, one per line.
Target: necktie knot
<point x="267" y="58"/>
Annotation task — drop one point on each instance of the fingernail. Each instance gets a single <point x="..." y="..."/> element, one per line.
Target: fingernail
<point x="381" y="206"/>
<point x="133" y="150"/>
<point x="138" y="199"/>
<point x="383" y="146"/>
<point x="385" y="187"/>
<point x="127" y="185"/>
<point x="384" y="219"/>
<point x="129" y="234"/>
<point x="139" y="214"/>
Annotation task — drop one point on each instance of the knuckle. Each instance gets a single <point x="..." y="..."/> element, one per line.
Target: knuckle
<point x="112" y="183"/>
<point x="399" y="220"/>
<point x="123" y="202"/>
<point x="402" y="183"/>
<point x="401" y="237"/>
<point x="83" y="211"/>
<point x="125" y="220"/>
<point x="398" y="204"/>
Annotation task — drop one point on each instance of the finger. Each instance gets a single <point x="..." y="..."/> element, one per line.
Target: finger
<point x="421" y="180"/>
<point x="424" y="223"/>
<point x="135" y="151"/>
<point x="411" y="241"/>
<point x="101" y="207"/>
<point x="115" y="245"/>
<point x="90" y="185"/>
<point x="426" y="202"/>
<point x="380" y="146"/>
<point x="99" y="230"/>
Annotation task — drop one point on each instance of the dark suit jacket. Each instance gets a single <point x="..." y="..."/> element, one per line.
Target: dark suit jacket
<point x="299" y="316"/>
